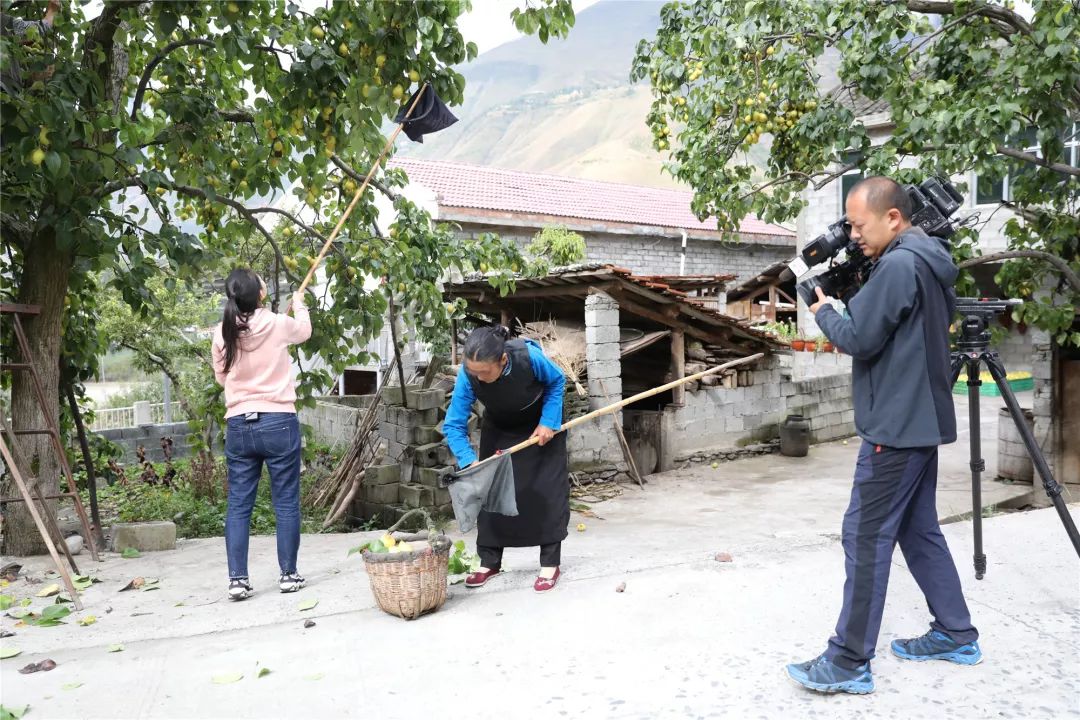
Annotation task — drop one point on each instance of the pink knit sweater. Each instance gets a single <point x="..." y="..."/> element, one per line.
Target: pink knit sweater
<point x="260" y="379"/>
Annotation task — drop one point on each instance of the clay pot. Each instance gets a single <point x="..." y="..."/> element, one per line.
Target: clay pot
<point x="798" y="345"/>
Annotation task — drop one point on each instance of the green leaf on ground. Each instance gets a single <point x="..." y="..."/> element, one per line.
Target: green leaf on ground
<point x="263" y="672"/>
<point x="49" y="590"/>
<point x="71" y="686"/>
<point x="13" y="714"/>
<point x="228" y="678"/>
<point x="307" y="604"/>
<point x="6" y="601"/>
<point x="115" y="648"/>
<point x="88" y="620"/>
<point x="130" y="553"/>
<point x="18" y="612"/>
<point x="55" y="612"/>
<point x="315" y="676"/>
<point x="9" y="651"/>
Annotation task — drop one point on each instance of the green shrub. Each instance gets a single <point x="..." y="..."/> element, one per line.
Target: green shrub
<point x="197" y="501"/>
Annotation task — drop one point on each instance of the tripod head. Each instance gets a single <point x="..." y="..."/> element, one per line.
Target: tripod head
<point x="975" y="327"/>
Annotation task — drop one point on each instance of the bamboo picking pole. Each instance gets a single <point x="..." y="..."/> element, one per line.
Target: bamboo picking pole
<point x="359" y="193"/>
<point x="623" y="403"/>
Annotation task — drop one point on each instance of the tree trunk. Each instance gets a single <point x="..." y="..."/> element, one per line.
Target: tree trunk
<point x="44" y="283"/>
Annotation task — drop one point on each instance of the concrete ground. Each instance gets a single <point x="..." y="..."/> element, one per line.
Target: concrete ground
<point x="690" y="637"/>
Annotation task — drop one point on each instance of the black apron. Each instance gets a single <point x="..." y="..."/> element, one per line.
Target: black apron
<point x="512" y="408"/>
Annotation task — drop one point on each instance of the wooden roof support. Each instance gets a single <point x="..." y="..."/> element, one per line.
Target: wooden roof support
<point x="678" y="366"/>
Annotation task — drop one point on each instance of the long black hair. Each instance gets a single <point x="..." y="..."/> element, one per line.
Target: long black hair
<point x="243" y="289"/>
<point x="487" y="344"/>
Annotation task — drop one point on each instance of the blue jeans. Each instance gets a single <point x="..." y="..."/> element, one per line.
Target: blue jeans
<point x="274" y="438"/>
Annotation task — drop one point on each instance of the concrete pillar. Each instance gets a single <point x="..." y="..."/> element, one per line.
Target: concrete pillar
<point x="1043" y="373"/>
<point x="602" y="350"/>
<point x="142" y="413"/>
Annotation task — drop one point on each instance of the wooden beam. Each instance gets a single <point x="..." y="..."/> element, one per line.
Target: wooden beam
<point x="678" y="366"/>
<point x="668" y="317"/>
<point x="534" y="292"/>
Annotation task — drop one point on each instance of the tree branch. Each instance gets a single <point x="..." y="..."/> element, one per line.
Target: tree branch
<point x="347" y="169"/>
<point x="1036" y="160"/>
<point x="994" y="12"/>
<point x="1067" y="272"/>
<point x="149" y="69"/>
<point x="102" y="31"/>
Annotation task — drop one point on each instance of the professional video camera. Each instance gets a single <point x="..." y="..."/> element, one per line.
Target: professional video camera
<point x="932" y="202"/>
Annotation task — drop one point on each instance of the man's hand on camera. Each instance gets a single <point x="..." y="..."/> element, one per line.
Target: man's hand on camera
<point x="822" y="301"/>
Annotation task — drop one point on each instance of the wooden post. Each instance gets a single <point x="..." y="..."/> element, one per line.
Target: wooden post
<point x="506" y="317"/>
<point x="397" y="350"/>
<point x="453" y="342"/>
<point x="678" y="366"/>
<point x="772" y="303"/>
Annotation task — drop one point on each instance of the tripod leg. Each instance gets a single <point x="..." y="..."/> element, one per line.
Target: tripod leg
<point x="958" y="360"/>
<point x="1050" y="485"/>
<point x="977" y="465"/>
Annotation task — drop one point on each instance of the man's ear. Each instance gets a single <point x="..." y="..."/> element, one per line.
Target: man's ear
<point x="895" y="219"/>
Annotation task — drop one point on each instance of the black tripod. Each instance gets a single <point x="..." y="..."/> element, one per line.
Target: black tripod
<point x="972" y="351"/>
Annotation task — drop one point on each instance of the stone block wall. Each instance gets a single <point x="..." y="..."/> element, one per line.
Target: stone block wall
<point x="783" y="384"/>
<point x="416" y="456"/>
<point x="334" y="418"/>
<point x="149" y="436"/>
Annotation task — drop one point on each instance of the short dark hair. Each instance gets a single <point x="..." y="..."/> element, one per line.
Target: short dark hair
<point x="486" y="344"/>
<point x="883" y="194"/>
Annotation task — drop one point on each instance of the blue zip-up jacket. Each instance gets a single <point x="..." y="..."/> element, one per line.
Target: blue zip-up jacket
<point x="897" y="333"/>
<point x="455" y="426"/>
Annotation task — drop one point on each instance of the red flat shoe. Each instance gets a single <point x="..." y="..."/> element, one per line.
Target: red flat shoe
<point x="544" y="584"/>
<point x="477" y="579"/>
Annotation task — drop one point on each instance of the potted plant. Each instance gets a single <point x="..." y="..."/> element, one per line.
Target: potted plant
<point x="825" y="345"/>
<point x="798" y="343"/>
<point x="811" y="345"/>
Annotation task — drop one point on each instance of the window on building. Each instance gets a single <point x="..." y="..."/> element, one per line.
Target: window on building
<point x="849" y="179"/>
<point x="1072" y="145"/>
<point x="990" y="190"/>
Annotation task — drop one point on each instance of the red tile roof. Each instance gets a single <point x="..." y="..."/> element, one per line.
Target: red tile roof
<point x="475" y="186"/>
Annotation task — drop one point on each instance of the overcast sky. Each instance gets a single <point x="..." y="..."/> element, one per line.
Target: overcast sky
<point x="489" y="24"/>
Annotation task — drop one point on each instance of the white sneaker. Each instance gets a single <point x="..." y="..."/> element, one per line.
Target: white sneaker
<point x="291" y="582"/>
<point x="240" y="589"/>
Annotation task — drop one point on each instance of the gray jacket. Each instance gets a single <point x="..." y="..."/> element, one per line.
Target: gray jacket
<point x="896" y="330"/>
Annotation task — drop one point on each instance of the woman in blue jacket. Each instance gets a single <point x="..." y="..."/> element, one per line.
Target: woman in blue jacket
<point x="522" y="394"/>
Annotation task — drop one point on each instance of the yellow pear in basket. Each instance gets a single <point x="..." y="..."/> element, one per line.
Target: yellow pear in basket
<point x="388" y="541"/>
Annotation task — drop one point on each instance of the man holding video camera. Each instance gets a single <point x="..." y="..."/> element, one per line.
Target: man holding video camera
<point x="896" y="330"/>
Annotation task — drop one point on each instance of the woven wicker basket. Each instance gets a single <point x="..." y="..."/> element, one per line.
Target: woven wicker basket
<point x="410" y="584"/>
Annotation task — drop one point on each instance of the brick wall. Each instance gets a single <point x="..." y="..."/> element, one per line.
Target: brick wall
<point x="817" y="386"/>
<point x="660" y="255"/>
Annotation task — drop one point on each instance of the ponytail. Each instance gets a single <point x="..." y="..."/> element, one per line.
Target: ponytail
<point x="487" y="344"/>
<point x="243" y="289"/>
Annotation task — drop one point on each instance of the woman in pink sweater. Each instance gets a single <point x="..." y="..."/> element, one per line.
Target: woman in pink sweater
<point x="252" y="363"/>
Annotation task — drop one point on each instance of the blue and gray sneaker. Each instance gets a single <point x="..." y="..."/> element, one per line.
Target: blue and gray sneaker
<point x="824" y="676"/>
<point x="936" y="645"/>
